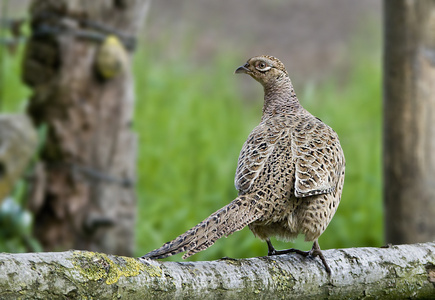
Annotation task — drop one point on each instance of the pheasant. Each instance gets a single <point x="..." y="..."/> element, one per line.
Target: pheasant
<point x="289" y="176"/>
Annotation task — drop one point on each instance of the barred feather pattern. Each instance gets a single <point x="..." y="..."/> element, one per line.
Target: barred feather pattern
<point x="232" y="217"/>
<point x="290" y="172"/>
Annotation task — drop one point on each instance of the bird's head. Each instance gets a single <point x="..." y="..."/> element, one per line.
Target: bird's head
<point x="265" y="69"/>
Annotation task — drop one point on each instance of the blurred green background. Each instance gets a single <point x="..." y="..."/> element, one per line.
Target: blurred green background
<point x="193" y="114"/>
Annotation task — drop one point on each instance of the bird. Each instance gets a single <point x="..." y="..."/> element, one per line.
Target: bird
<point x="289" y="176"/>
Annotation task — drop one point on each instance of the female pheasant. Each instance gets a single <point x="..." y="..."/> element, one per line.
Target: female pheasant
<point x="289" y="176"/>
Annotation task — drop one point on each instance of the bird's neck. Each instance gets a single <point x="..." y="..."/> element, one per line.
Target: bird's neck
<point x="280" y="97"/>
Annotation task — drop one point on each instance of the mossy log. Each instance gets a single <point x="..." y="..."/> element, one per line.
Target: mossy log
<point x="396" y="272"/>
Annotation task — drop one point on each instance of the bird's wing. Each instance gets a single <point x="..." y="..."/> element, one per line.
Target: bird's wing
<point x="233" y="217"/>
<point x="319" y="159"/>
<point x="254" y="154"/>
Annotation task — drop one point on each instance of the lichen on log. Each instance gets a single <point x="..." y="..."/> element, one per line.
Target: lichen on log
<point x="396" y="272"/>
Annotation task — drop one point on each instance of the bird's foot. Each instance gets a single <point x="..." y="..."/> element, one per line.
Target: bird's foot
<point x="272" y="251"/>
<point x="314" y="252"/>
<point x="291" y="250"/>
<point x="228" y="258"/>
<point x="317" y="252"/>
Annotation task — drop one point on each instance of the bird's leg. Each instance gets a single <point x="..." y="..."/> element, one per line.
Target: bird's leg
<point x="272" y="251"/>
<point x="315" y="251"/>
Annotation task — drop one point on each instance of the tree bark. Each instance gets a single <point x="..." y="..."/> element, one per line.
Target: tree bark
<point x="83" y="196"/>
<point x="398" y="272"/>
<point x="409" y="114"/>
<point x="18" y="143"/>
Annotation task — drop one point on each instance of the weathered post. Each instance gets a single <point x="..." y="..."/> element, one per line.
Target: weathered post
<point x="409" y="120"/>
<point x="83" y="190"/>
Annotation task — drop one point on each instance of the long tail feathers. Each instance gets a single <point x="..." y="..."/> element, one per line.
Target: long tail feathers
<point x="231" y="218"/>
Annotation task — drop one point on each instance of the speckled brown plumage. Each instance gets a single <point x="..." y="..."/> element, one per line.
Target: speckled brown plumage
<point x="289" y="175"/>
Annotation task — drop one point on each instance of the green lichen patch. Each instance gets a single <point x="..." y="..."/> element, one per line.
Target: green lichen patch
<point x="99" y="266"/>
<point x="153" y="271"/>
<point x="283" y="280"/>
<point x="232" y="261"/>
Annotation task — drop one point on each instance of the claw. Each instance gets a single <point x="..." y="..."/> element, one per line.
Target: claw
<point x="314" y="252"/>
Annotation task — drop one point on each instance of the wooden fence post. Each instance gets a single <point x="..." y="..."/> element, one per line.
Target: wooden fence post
<point x="409" y="120"/>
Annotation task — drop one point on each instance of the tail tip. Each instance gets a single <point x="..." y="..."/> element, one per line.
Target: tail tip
<point x="150" y="255"/>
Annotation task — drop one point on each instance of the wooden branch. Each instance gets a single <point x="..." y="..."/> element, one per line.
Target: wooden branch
<point x="405" y="271"/>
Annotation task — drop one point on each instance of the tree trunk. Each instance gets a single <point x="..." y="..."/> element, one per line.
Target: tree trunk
<point x="398" y="272"/>
<point x="18" y="143"/>
<point x="409" y="115"/>
<point x="83" y="195"/>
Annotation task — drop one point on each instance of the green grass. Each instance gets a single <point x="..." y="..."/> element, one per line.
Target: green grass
<point x="14" y="93"/>
<point x="192" y="122"/>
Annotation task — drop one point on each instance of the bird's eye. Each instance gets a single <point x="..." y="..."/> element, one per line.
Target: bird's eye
<point x="262" y="66"/>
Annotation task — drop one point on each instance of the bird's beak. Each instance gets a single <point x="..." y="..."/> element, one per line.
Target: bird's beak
<point x="242" y="69"/>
